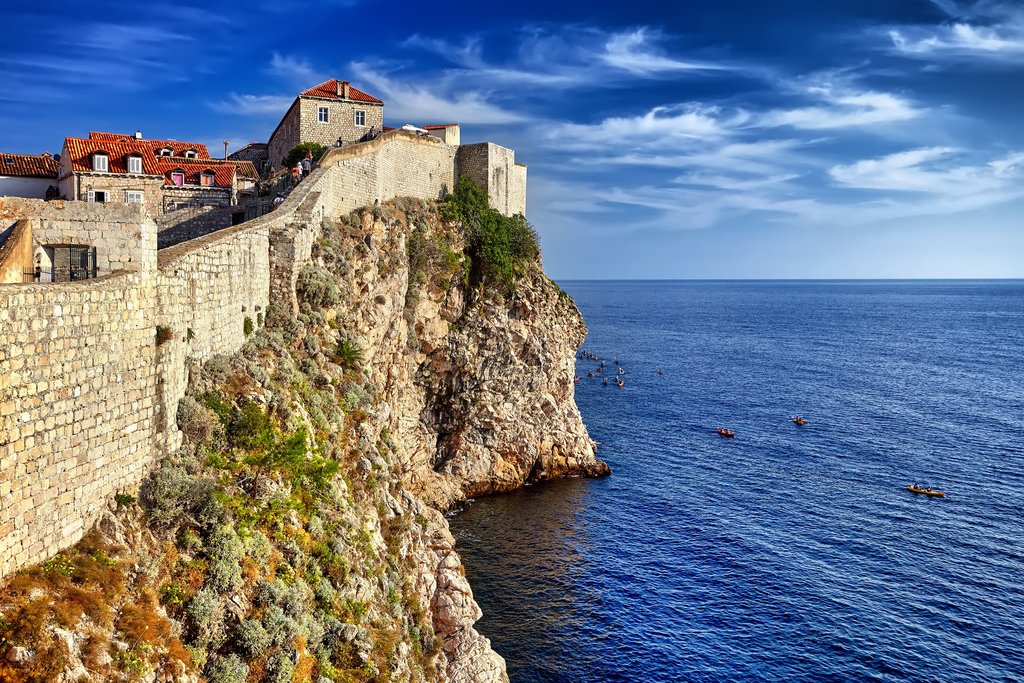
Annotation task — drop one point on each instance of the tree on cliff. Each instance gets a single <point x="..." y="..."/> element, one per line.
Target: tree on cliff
<point x="298" y="153"/>
<point x="500" y="246"/>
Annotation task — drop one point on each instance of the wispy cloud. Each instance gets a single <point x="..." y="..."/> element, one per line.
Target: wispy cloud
<point x="982" y="30"/>
<point x="843" y="107"/>
<point x="575" y="57"/>
<point x="931" y="170"/>
<point x="637" y="52"/>
<point x="295" y="71"/>
<point x="422" y="101"/>
<point x="253" y="105"/>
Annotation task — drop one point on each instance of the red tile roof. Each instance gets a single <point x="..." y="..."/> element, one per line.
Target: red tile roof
<point x="79" y="151"/>
<point x="244" y="169"/>
<point x="29" y="165"/>
<point x="329" y="89"/>
<point x="177" y="147"/>
<point x="223" y="173"/>
<point x="93" y="135"/>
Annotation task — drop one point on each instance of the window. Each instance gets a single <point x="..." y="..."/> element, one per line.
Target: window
<point x="190" y="154"/>
<point x="132" y="197"/>
<point x="360" y="117"/>
<point x="97" y="196"/>
<point x="206" y="179"/>
<point x="178" y="178"/>
<point x="165" y="152"/>
<point x="99" y="162"/>
<point x="323" y="114"/>
<point x="135" y="164"/>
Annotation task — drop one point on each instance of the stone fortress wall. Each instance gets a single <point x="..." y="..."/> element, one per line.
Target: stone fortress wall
<point x="91" y="372"/>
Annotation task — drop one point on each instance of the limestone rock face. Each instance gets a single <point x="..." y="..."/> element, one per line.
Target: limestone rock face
<point x="475" y="389"/>
<point x="480" y="388"/>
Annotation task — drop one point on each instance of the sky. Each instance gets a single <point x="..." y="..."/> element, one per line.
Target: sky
<point x="725" y="139"/>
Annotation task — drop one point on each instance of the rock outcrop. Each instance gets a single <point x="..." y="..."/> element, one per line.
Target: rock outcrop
<point x="298" y="533"/>
<point x="480" y="388"/>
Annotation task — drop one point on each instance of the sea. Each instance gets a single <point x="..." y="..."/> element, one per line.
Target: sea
<point x="787" y="553"/>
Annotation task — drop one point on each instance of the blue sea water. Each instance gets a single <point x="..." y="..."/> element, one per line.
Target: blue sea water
<point x="788" y="553"/>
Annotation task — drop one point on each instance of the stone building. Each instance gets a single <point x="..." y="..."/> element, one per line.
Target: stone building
<point x="449" y="133"/>
<point x="162" y="175"/>
<point x="28" y="175"/>
<point x="327" y="113"/>
<point x="254" y="152"/>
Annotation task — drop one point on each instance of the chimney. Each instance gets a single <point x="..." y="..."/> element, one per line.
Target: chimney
<point x="343" y="89"/>
<point x="225" y="149"/>
<point x="138" y="135"/>
<point x="46" y="155"/>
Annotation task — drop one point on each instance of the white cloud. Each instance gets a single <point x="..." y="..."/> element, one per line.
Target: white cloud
<point x="254" y="105"/>
<point x="573" y="57"/>
<point x="983" y="30"/>
<point x="843" y="107"/>
<point x="636" y="52"/>
<point x="663" y="127"/>
<point x="296" y="71"/>
<point x="930" y="170"/>
<point x="425" y="100"/>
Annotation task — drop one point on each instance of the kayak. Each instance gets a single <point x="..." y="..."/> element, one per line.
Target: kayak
<point x="934" y="494"/>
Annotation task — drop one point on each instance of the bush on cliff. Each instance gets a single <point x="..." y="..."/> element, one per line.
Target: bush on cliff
<point x="500" y="247"/>
<point x="317" y="288"/>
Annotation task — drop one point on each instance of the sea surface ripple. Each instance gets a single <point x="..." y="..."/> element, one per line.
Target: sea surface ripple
<point x="788" y="553"/>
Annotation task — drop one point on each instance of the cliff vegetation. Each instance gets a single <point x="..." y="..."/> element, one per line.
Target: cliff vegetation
<point x="298" y="534"/>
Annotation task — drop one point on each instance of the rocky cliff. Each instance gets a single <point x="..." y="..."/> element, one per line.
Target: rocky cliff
<point x="298" y="534"/>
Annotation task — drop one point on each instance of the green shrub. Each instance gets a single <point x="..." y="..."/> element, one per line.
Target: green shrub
<point x="230" y="669"/>
<point x="298" y="153"/>
<point x="247" y="326"/>
<point x="215" y="402"/>
<point x="350" y="354"/>
<point x="281" y="668"/>
<point x="205" y="613"/>
<point x="317" y="288"/>
<point x="197" y="422"/>
<point x="224" y="550"/>
<point x="251" y="429"/>
<point x="253" y="638"/>
<point x="500" y="247"/>
<point x="124" y="500"/>
<point x="171" y="493"/>
<point x="279" y="626"/>
<point x="430" y="260"/>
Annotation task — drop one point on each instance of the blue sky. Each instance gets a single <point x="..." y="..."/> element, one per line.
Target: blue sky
<point x="726" y="139"/>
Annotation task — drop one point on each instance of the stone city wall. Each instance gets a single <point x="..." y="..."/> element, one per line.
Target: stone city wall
<point x="192" y="223"/>
<point x="206" y="290"/>
<point x="78" y="389"/>
<point x="88" y="398"/>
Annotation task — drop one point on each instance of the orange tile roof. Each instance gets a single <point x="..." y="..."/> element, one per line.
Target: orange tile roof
<point x="177" y="147"/>
<point x="30" y="165"/>
<point x="223" y="173"/>
<point x="93" y="135"/>
<point x="245" y="169"/>
<point x="80" y="151"/>
<point x="329" y="89"/>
